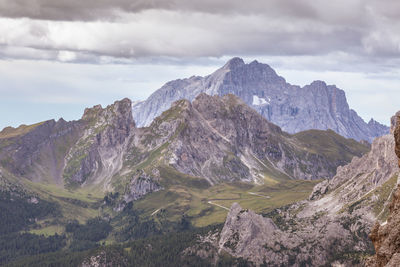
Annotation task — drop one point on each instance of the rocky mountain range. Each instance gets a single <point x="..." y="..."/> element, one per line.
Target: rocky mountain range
<point x="293" y="108"/>
<point x="214" y="148"/>
<point x="332" y="227"/>
<point x="219" y="139"/>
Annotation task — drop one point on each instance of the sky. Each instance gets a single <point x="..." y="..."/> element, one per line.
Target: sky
<point x="59" y="56"/>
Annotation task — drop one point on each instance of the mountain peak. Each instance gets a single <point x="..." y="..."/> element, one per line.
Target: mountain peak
<point x="294" y="108"/>
<point x="234" y="63"/>
<point x="318" y="83"/>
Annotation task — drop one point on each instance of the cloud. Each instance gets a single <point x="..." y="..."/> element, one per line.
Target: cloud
<point x="89" y="10"/>
<point x="98" y="30"/>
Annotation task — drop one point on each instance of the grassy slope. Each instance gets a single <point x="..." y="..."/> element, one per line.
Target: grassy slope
<point x="79" y="204"/>
<point x="330" y="144"/>
<point x="9" y="132"/>
<point x="190" y="196"/>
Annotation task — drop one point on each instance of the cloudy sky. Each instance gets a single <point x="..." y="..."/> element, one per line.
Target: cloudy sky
<point x="59" y="56"/>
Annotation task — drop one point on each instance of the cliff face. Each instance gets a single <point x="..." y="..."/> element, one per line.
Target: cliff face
<point x="386" y="236"/>
<point x="222" y="139"/>
<point x="89" y="150"/>
<point x="46" y="142"/>
<point x="332" y="227"/>
<point x="293" y="108"/>
<point x="97" y="156"/>
<point x="396" y="132"/>
<point x="218" y="139"/>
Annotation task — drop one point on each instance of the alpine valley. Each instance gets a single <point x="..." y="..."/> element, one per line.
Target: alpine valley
<point x="238" y="168"/>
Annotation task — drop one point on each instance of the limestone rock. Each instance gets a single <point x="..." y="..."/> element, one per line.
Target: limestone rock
<point x="105" y="259"/>
<point x="293" y="108"/>
<point x="141" y="185"/>
<point x="333" y="223"/>
<point x="386" y="236"/>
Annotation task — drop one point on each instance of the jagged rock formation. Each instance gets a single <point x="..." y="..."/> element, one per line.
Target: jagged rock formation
<point x="219" y="139"/>
<point x="77" y="152"/>
<point x="396" y="133"/>
<point x="222" y="139"/>
<point x="293" y="108"/>
<point x="140" y="185"/>
<point x="386" y="236"/>
<point x="331" y="227"/>
<point x="23" y="148"/>
<point x="97" y="156"/>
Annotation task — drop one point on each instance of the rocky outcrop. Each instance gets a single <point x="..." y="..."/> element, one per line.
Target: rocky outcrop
<point x="141" y="185"/>
<point x="313" y="241"/>
<point x="217" y="138"/>
<point x="293" y="108"/>
<point x="386" y="236"/>
<point x="363" y="174"/>
<point x="223" y="139"/>
<point x="98" y="154"/>
<point x="331" y="227"/>
<point x="89" y="150"/>
<point x="38" y="152"/>
<point x="396" y="133"/>
<point x="105" y="258"/>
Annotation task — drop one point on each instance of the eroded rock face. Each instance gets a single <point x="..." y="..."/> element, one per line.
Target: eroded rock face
<point x="333" y="223"/>
<point x="386" y="236"/>
<point x="396" y="132"/>
<point x="223" y="139"/>
<point x="311" y="241"/>
<point x="98" y="154"/>
<point x="46" y="143"/>
<point x="141" y="185"/>
<point x="293" y="108"/>
<point x="216" y="138"/>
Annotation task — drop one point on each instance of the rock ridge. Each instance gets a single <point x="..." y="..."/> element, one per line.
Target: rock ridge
<point x="293" y="108"/>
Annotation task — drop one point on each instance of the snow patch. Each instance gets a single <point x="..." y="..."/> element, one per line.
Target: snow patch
<point x="257" y="101"/>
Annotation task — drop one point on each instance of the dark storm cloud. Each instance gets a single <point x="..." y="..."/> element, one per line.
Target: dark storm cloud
<point x="108" y="9"/>
<point x="78" y="30"/>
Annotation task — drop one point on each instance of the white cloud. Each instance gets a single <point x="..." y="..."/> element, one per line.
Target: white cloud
<point x="54" y="51"/>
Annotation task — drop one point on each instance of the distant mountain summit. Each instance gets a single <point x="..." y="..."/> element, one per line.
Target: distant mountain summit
<point x="293" y="108"/>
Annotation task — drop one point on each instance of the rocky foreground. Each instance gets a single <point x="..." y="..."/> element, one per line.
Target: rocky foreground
<point x="386" y="236"/>
<point x="333" y="226"/>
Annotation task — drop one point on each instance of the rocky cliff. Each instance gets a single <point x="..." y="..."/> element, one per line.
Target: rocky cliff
<point x="38" y="151"/>
<point x="97" y="156"/>
<point x="386" y="236"/>
<point x="223" y="139"/>
<point x="331" y="227"/>
<point x="293" y="108"/>
<point x="214" y="139"/>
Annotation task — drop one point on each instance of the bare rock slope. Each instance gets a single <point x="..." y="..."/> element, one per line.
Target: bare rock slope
<point x="212" y="139"/>
<point x="386" y="236"/>
<point x="332" y="227"/>
<point x="293" y="108"/>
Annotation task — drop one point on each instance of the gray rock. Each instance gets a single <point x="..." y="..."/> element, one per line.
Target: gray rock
<point x="140" y="185"/>
<point x="293" y="108"/>
<point x="98" y="154"/>
<point x="334" y="222"/>
<point x="215" y="138"/>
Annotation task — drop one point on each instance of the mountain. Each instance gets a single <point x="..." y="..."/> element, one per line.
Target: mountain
<point x="220" y="139"/>
<point x="385" y="236"/>
<point x="69" y="152"/>
<point x="75" y="185"/>
<point x="293" y="108"/>
<point x="329" y="228"/>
